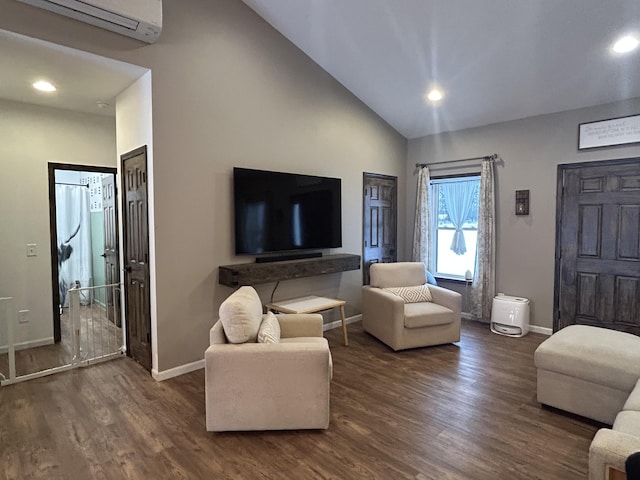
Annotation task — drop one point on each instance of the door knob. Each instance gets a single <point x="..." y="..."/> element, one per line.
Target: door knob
<point x="127" y="269"/>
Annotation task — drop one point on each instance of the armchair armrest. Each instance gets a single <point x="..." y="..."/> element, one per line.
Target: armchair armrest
<point x="447" y="298"/>
<point x="610" y="448"/>
<point x="382" y="314"/>
<point x="256" y="386"/>
<point x="216" y="334"/>
<point x="300" y="324"/>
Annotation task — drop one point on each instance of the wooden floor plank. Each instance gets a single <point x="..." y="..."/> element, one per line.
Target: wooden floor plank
<point x="457" y="412"/>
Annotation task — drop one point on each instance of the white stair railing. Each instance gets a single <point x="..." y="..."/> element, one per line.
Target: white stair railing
<point x="95" y="336"/>
<point x="8" y="318"/>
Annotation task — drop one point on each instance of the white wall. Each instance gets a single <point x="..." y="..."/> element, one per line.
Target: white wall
<point x="32" y="136"/>
<point x="134" y="129"/>
<point x="532" y="149"/>
<point x="228" y="90"/>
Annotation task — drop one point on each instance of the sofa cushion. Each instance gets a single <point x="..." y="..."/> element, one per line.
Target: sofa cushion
<point x="633" y="402"/>
<point x="269" y="331"/>
<point x="628" y="422"/>
<point x="598" y="355"/>
<point x="418" y="315"/>
<point x="417" y="294"/>
<point x="241" y="315"/>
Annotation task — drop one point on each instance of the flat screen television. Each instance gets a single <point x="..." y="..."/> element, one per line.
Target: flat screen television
<point x="283" y="212"/>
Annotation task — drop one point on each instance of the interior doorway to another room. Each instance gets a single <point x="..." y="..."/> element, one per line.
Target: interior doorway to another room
<point x="84" y="253"/>
<point x="379" y="221"/>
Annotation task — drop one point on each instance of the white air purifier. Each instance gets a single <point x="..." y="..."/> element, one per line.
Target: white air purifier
<point x="510" y="316"/>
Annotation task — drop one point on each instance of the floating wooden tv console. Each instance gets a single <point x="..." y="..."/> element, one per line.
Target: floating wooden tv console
<point x="254" y="273"/>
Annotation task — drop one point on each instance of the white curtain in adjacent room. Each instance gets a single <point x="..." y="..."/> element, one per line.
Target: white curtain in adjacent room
<point x="484" y="279"/>
<point x="74" y="240"/>
<point x="421" y="231"/>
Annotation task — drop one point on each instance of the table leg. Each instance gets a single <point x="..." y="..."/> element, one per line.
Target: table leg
<point x="344" y="326"/>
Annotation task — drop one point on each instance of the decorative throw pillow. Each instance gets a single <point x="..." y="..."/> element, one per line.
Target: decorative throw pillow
<point x="420" y="293"/>
<point x="240" y="315"/>
<point x="269" y="329"/>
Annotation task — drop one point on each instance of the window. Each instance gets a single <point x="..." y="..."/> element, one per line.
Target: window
<point x="455" y="228"/>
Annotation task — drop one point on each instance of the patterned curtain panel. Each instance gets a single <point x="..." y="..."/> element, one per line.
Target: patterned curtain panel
<point x="484" y="279"/>
<point x="421" y="230"/>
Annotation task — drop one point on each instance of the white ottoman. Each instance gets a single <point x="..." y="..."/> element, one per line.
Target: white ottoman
<point x="588" y="371"/>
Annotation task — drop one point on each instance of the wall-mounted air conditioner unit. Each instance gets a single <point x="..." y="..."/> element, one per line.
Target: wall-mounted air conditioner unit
<point x="140" y="19"/>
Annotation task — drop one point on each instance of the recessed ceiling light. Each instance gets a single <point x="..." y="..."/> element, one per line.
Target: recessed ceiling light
<point x="434" y="95"/>
<point x="44" y="86"/>
<point x="625" y="44"/>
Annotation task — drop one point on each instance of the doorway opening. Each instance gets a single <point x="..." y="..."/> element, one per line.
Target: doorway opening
<point x="379" y="221"/>
<point x="83" y="224"/>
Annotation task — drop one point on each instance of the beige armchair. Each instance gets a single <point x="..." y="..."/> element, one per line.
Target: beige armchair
<point x="281" y="385"/>
<point x="401" y="324"/>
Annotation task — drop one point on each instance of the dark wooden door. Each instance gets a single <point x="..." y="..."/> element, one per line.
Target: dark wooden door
<point x="136" y="256"/>
<point x="379" y="222"/>
<point x="111" y="261"/>
<point x="598" y="246"/>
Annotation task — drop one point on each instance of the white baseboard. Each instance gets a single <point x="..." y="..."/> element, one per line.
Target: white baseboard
<point x="532" y="328"/>
<point x="542" y="330"/>
<point x="177" y="371"/>
<point x="198" y="364"/>
<point x="29" y="344"/>
<point x="338" y="323"/>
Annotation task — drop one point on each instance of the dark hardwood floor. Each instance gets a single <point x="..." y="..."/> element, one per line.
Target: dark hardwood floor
<point x="464" y="411"/>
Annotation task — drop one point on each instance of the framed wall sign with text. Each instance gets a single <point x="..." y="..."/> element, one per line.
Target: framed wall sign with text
<point x="606" y="133"/>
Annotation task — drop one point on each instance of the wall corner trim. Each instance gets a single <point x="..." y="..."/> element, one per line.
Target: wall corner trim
<point x="542" y="330"/>
<point x="177" y="371"/>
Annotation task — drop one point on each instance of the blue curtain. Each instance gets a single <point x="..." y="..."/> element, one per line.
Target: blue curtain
<point x="458" y="197"/>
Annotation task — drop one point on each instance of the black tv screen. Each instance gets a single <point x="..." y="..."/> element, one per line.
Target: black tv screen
<point x="276" y="212"/>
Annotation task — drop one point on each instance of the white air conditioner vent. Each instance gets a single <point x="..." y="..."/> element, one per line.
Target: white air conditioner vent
<point x="140" y="19"/>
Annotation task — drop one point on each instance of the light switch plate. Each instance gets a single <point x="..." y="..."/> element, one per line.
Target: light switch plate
<point x="522" y="202"/>
<point x="31" y="250"/>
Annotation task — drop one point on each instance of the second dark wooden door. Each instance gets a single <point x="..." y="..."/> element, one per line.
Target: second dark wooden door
<point x="136" y="256"/>
<point x="111" y="262"/>
<point x="379" y="222"/>
<point x="598" y="246"/>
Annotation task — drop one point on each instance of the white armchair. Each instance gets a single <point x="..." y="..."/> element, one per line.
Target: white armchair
<point x="401" y="324"/>
<point x="266" y="386"/>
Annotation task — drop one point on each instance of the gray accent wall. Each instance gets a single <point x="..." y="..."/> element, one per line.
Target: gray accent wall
<point x="532" y="149"/>
<point x="228" y="90"/>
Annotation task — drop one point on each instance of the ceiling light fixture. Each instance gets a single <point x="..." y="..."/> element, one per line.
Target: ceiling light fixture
<point x="625" y="44"/>
<point x="44" y="86"/>
<point x="435" y="95"/>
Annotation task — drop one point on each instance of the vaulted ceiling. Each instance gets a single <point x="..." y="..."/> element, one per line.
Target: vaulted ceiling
<point x="495" y="60"/>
